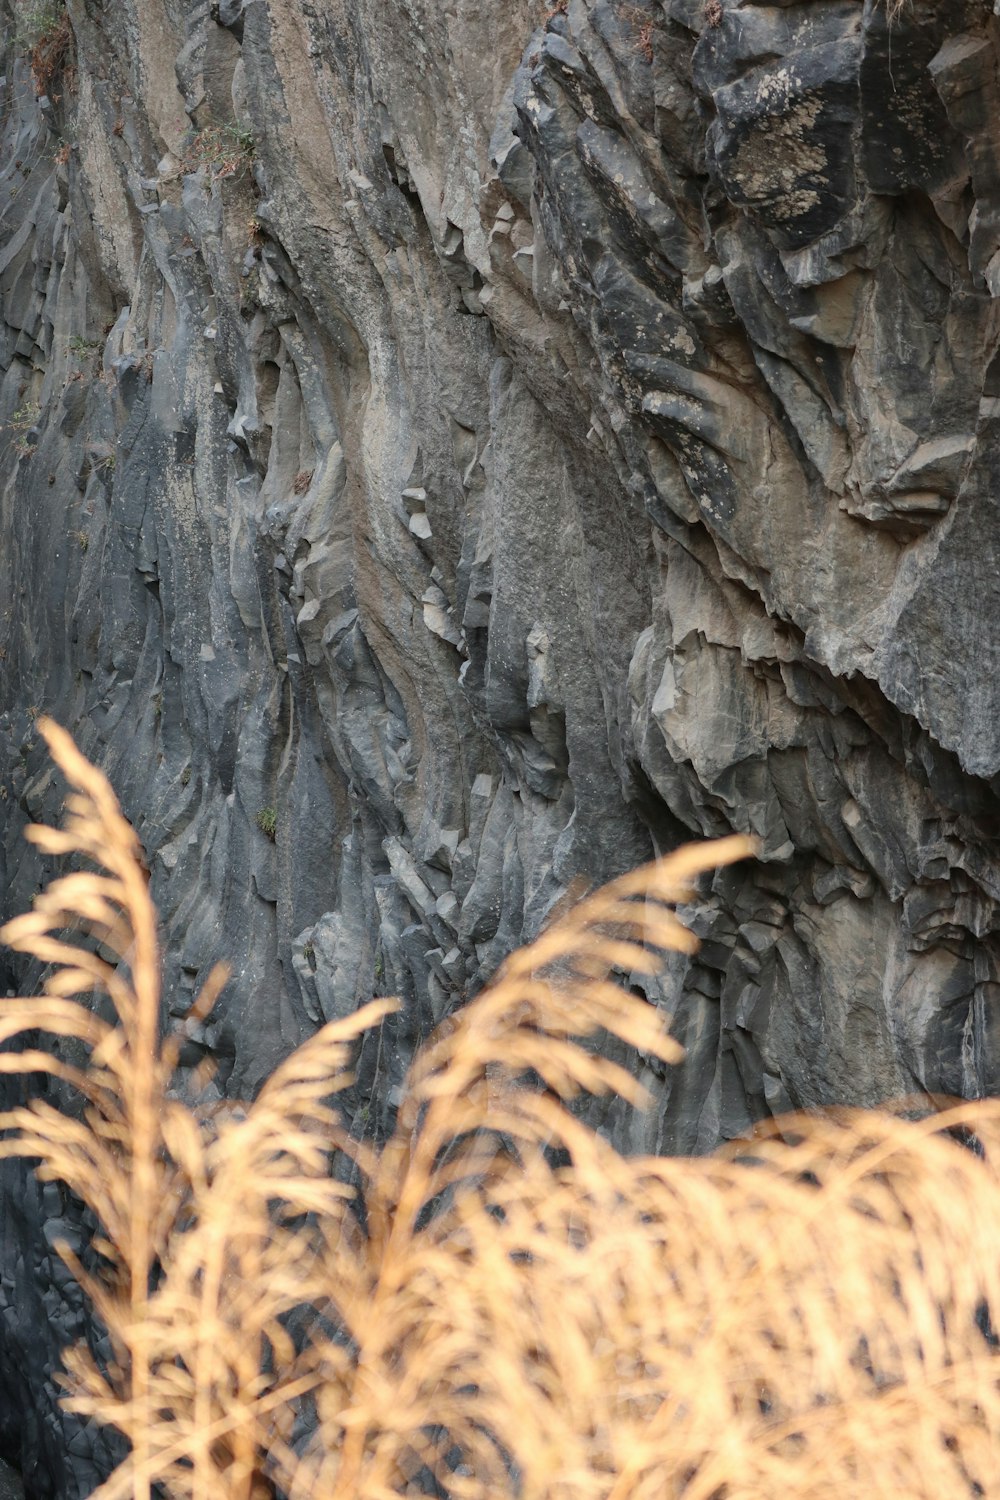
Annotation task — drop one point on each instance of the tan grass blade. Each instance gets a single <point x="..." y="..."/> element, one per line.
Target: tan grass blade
<point x="497" y="1299"/>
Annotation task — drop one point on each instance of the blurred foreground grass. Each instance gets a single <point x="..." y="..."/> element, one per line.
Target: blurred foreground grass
<point x="495" y="1302"/>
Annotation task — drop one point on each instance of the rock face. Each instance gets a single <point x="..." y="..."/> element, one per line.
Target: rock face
<point x="451" y="450"/>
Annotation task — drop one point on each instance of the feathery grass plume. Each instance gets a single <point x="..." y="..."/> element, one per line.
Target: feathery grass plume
<point x="191" y="1339"/>
<point x="504" y="1305"/>
<point x="803" y="1314"/>
<point x="448" y="1335"/>
<point x="110" y="1157"/>
<point x="225" y="1365"/>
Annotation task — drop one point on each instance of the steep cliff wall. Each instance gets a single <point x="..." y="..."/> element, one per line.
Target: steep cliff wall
<point x="451" y="449"/>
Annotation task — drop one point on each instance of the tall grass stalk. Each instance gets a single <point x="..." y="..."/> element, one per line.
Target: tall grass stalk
<point x="495" y="1302"/>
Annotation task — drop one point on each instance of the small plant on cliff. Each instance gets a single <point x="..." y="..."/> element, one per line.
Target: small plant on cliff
<point x="106" y="464"/>
<point x="82" y="349"/>
<point x="223" y="150"/>
<point x="267" y="822"/>
<point x="44" y="31"/>
<point x="35" y="19"/>
<point x="643" y="26"/>
<point x="495" y="1302"/>
<point x="23" y="424"/>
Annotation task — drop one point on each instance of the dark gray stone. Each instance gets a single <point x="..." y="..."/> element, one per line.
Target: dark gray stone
<point x="563" y="438"/>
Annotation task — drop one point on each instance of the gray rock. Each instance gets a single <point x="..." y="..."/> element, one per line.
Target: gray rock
<point x="526" y="445"/>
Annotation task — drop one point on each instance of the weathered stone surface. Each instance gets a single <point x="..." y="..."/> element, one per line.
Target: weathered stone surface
<point x="567" y="435"/>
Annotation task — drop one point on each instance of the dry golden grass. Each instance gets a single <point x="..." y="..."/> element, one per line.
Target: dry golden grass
<point x="503" y="1304"/>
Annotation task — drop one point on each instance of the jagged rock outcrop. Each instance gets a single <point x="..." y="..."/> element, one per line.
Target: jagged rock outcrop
<point x="453" y="450"/>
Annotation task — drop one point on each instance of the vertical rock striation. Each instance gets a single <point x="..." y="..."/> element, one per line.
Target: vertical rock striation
<point x="452" y="450"/>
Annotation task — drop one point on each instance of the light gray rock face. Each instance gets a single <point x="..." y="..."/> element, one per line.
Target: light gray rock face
<point x="483" y="448"/>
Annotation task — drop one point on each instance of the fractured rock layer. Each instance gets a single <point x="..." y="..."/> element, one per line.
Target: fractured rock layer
<point x="453" y="451"/>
